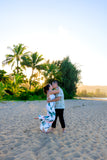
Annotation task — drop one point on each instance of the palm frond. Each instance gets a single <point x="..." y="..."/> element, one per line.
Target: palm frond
<point x="12" y="64"/>
<point x="8" y="60"/>
<point x="26" y="61"/>
<point x="21" y="49"/>
<point x="36" y="58"/>
<point x="12" y="49"/>
<point x="41" y="67"/>
<point x="39" y="59"/>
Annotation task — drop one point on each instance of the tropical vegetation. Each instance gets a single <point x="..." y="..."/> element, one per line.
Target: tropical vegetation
<point x="17" y="86"/>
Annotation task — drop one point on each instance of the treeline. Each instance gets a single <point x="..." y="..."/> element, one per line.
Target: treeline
<point x="16" y="85"/>
<point x="97" y="93"/>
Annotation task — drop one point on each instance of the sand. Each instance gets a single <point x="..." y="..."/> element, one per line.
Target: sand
<point x="85" y="137"/>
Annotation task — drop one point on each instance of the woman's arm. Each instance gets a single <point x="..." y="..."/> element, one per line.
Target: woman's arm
<point x="54" y="100"/>
<point x="54" y="91"/>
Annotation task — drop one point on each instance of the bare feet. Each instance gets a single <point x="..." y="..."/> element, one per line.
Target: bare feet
<point x="36" y="118"/>
<point x="63" y="130"/>
<point x="52" y="129"/>
<point x="43" y="131"/>
<point x="48" y="131"/>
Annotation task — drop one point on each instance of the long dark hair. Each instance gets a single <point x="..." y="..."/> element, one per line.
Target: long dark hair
<point x="46" y="88"/>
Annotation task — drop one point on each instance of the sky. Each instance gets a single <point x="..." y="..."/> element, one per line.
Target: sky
<point x="56" y="29"/>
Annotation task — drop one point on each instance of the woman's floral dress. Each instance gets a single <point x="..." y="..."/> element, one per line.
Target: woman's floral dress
<point x="46" y="121"/>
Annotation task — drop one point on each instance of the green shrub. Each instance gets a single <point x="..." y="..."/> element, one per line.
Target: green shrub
<point x="66" y="95"/>
<point x="24" y="96"/>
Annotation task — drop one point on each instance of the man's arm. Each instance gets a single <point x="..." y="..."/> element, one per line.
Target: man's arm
<point x="54" y="100"/>
<point x="54" y="91"/>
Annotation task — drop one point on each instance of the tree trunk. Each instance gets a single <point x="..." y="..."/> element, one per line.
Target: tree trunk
<point x="17" y="66"/>
<point x="31" y="80"/>
<point x="30" y="85"/>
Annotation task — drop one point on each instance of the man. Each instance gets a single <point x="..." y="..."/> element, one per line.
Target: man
<point x="59" y="106"/>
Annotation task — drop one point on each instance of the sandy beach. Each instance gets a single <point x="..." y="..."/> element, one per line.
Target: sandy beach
<point x="85" y="137"/>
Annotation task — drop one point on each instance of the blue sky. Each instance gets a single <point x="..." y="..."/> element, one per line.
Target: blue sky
<point x="58" y="28"/>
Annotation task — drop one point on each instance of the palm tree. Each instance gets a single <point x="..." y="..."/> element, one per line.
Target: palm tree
<point x="32" y="61"/>
<point x="18" y="51"/>
<point x="51" y="72"/>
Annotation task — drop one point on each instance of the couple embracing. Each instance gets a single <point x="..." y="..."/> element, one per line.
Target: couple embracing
<point x="55" y="108"/>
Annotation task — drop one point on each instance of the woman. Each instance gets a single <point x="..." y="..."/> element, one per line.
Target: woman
<point x="46" y="121"/>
